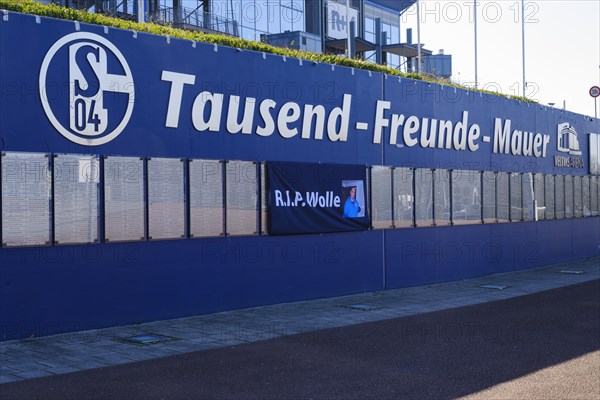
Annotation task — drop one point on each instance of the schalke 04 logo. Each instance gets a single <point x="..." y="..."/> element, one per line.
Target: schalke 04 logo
<point x="99" y="101"/>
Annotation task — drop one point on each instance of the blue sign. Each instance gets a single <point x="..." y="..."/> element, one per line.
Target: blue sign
<point x="313" y="198"/>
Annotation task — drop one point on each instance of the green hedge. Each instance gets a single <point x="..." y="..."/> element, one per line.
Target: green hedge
<point x="55" y="11"/>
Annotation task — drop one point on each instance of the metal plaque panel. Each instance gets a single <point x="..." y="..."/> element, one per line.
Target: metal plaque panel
<point x="206" y="198"/>
<point x="585" y="194"/>
<point x="381" y="195"/>
<point x="489" y="197"/>
<point x="76" y="180"/>
<point x="441" y="179"/>
<point x="527" y="196"/>
<point x="569" y="197"/>
<point x="578" y="197"/>
<point x="503" y="199"/>
<point x="549" y="196"/>
<point x="594" y="196"/>
<point x="516" y="199"/>
<point x="123" y="199"/>
<point x="242" y="198"/>
<point x="539" y="195"/>
<point x="25" y="199"/>
<point x="466" y="197"/>
<point x="404" y="197"/>
<point x="424" y="197"/>
<point x="559" y="197"/>
<point x="166" y="219"/>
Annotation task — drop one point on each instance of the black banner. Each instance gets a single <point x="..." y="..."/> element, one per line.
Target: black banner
<point x="316" y="198"/>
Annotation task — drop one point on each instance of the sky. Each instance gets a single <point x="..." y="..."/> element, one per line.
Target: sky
<point x="562" y="46"/>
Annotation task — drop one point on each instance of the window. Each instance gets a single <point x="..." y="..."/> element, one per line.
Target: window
<point x="527" y="196"/>
<point x="516" y="199"/>
<point x="569" y="197"/>
<point x="578" y="197"/>
<point x="559" y="190"/>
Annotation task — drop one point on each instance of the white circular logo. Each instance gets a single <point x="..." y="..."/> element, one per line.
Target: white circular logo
<point x="99" y="102"/>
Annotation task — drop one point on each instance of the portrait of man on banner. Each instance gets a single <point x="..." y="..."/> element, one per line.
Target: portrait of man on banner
<point x="353" y="199"/>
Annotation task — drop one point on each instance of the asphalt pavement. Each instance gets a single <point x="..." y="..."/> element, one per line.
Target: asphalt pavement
<point x="531" y="334"/>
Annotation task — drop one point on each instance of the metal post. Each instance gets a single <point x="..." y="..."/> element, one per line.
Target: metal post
<point x="523" y="43"/>
<point x="348" y="40"/>
<point x="475" y="28"/>
<point x="418" y="38"/>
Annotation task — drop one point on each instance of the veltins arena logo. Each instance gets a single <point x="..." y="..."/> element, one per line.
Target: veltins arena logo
<point x="100" y="97"/>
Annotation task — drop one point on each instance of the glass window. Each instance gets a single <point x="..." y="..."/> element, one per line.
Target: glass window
<point x="585" y="193"/>
<point x="489" y="197"/>
<point x="76" y="198"/>
<point x="242" y="198"/>
<point x="466" y="197"/>
<point x="124" y="205"/>
<point x="166" y="218"/>
<point x="539" y="190"/>
<point x="578" y="197"/>
<point x="441" y="179"/>
<point x="502" y="196"/>
<point x="403" y="197"/>
<point x="549" y="196"/>
<point x="528" y="195"/>
<point x="569" y="197"/>
<point x="26" y="188"/>
<point x="424" y="197"/>
<point x="206" y="198"/>
<point x="559" y="198"/>
<point x="516" y="200"/>
<point x="381" y="195"/>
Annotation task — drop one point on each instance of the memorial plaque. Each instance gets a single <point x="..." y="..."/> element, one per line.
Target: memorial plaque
<point x="489" y="197"/>
<point x="466" y="197"/>
<point x="76" y="180"/>
<point x="166" y="218"/>
<point x="502" y="198"/>
<point x="242" y="198"/>
<point x="424" y="197"/>
<point x="441" y="179"/>
<point x="549" y="197"/>
<point x="123" y="199"/>
<point x="206" y="198"/>
<point x="381" y="195"/>
<point x="516" y="198"/>
<point x="569" y="197"/>
<point x="403" y="197"/>
<point x="26" y="192"/>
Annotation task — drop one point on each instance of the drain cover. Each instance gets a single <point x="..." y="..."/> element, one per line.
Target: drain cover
<point x="571" y="272"/>
<point x="495" y="287"/>
<point x="364" y="307"/>
<point x="147" y="339"/>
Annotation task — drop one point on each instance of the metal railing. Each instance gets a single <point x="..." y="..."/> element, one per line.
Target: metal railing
<point x="196" y="17"/>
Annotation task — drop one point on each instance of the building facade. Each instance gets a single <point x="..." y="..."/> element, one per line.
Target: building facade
<point x="373" y="26"/>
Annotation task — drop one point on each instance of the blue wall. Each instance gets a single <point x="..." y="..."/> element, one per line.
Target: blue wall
<point x="46" y="290"/>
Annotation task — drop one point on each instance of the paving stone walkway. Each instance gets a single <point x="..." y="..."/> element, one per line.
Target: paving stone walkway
<point x="59" y="354"/>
